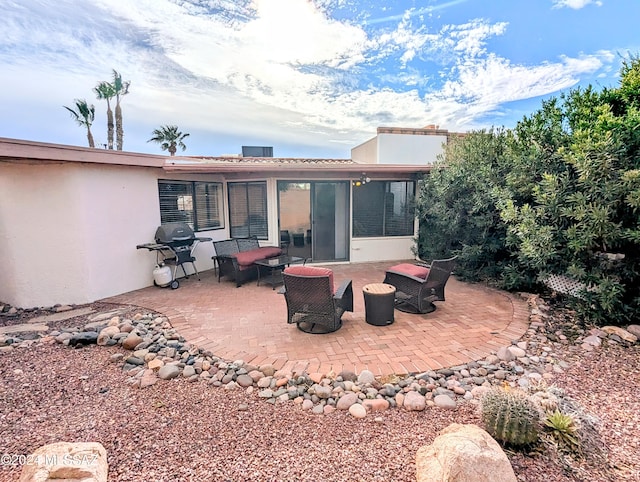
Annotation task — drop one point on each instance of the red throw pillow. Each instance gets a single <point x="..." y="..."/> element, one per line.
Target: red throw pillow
<point x="311" y="271"/>
<point x="411" y="269"/>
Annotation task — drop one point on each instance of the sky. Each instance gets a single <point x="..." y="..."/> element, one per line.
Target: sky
<point x="311" y="78"/>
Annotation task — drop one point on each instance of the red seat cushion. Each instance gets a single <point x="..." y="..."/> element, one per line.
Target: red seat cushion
<point x="311" y="271"/>
<point x="411" y="269"/>
<point x="247" y="258"/>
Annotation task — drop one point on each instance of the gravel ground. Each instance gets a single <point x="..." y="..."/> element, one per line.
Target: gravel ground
<point x="181" y="431"/>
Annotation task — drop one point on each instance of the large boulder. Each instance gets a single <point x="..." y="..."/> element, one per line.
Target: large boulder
<point x="463" y="453"/>
<point x="73" y="462"/>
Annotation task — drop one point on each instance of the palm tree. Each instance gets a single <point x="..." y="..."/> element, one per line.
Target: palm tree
<point x="105" y="90"/>
<point x="121" y="89"/>
<point x="84" y="114"/>
<point x="169" y="138"/>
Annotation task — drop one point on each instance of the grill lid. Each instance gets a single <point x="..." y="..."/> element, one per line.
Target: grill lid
<point x="171" y="232"/>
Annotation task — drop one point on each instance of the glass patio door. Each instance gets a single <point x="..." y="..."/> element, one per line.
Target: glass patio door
<point x="314" y="219"/>
<point x="329" y="221"/>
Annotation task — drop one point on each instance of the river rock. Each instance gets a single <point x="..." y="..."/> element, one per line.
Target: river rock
<point x="83" y="338"/>
<point x="106" y="334"/>
<point x="376" y="405"/>
<point x="445" y="401"/>
<point x="131" y="341"/>
<point x="347" y="400"/>
<point x="168" y="372"/>
<point x="414" y="401"/>
<point x="365" y="377"/>
<point x="358" y="411"/>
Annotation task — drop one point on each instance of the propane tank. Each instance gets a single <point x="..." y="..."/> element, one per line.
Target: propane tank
<point x="162" y="275"/>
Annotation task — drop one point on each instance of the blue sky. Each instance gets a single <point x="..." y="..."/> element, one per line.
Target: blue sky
<point x="310" y="78"/>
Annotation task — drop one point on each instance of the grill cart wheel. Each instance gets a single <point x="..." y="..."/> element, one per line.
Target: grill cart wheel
<point x="175" y="285"/>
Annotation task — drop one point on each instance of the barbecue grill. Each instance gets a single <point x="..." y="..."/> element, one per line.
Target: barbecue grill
<point x="174" y="246"/>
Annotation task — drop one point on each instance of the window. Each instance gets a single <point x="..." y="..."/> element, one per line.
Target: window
<point x="199" y="204"/>
<point x="248" y="209"/>
<point x="383" y="208"/>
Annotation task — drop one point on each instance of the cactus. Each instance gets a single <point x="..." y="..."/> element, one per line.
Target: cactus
<point x="510" y="416"/>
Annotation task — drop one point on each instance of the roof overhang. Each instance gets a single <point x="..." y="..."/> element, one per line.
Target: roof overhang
<point x="17" y="150"/>
<point x="295" y="167"/>
<point x="30" y="152"/>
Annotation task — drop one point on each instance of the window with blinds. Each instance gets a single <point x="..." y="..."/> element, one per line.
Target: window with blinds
<point x="248" y="209"/>
<point x="384" y="208"/>
<point x="199" y="204"/>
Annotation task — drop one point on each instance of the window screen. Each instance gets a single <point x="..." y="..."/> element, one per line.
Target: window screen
<point x="198" y="204"/>
<point x="248" y="209"/>
<point x="383" y="208"/>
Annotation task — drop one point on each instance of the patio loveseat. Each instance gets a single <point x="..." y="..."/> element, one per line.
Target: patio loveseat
<point x="236" y="257"/>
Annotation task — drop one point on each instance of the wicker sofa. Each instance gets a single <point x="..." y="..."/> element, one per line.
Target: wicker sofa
<point x="236" y="257"/>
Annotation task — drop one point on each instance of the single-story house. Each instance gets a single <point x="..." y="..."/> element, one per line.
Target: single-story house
<point x="71" y="217"/>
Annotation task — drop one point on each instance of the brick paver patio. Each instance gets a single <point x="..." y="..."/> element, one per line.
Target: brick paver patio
<point x="249" y="323"/>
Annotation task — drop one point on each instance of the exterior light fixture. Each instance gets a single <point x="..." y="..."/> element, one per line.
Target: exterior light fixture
<point x="362" y="181"/>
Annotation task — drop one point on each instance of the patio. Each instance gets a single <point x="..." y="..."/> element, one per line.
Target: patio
<point x="249" y="323"/>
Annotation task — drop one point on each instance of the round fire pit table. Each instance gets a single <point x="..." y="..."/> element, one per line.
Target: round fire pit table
<point x="379" y="302"/>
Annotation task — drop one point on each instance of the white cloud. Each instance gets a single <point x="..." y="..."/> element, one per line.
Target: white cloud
<point x="282" y="69"/>
<point x="575" y="4"/>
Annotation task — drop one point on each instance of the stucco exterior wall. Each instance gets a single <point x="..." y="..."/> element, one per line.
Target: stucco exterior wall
<point x="68" y="232"/>
<point x="409" y="149"/>
<point x="366" y="153"/>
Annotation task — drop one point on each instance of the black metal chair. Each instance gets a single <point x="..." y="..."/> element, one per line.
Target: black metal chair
<point x="419" y="285"/>
<point x="312" y="303"/>
<point x="285" y="240"/>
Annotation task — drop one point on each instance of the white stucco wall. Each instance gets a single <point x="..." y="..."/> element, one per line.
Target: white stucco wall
<point x="69" y="231"/>
<point x="409" y="149"/>
<point x="366" y="153"/>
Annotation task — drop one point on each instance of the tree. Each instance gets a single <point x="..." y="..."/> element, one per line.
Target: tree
<point x="557" y="195"/>
<point x="84" y="114"/>
<point x="169" y="138"/>
<point x="457" y="208"/>
<point x="106" y="90"/>
<point x="121" y="88"/>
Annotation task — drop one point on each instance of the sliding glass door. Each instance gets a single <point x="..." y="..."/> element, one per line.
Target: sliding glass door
<point x="314" y="219"/>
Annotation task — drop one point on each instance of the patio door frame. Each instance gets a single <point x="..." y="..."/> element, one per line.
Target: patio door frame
<point x="329" y="215"/>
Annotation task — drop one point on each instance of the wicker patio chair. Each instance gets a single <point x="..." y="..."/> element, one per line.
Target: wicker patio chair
<point x="419" y="285"/>
<point x="312" y="303"/>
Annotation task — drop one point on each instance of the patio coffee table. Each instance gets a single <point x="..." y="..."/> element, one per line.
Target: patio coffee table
<point x="274" y="266"/>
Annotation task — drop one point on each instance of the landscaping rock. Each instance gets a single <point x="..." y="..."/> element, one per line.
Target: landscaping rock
<point x="634" y="330"/>
<point x="463" y="453"/>
<point x="358" y="411"/>
<point x="414" y="401"/>
<point x="83" y="338"/>
<point x="345" y="401"/>
<point x="79" y="461"/>
<point x="131" y="341"/>
<point x="444" y="401"/>
<point x="621" y="332"/>
<point x="168" y="372"/>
